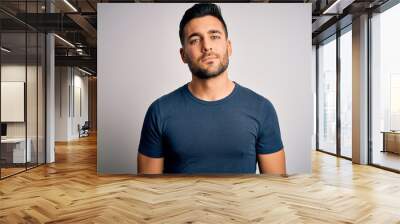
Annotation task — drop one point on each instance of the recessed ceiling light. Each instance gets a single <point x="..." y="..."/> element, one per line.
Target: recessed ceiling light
<point x="5" y="50"/>
<point x="84" y="71"/>
<point x="337" y="7"/>
<point x="329" y="9"/>
<point x="64" y="40"/>
<point x="70" y="5"/>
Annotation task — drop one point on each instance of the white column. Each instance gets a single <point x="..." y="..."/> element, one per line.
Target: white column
<point x="50" y="100"/>
<point x="50" y="92"/>
<point x="360" y="90"/>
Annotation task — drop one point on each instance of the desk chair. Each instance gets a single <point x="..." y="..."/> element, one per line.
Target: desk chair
<point x="84" y="130"/>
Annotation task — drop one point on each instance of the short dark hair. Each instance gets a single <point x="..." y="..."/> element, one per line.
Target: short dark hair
<point x="200" y="10"/>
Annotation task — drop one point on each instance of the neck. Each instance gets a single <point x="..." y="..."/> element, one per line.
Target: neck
<point x="211" y="89"/>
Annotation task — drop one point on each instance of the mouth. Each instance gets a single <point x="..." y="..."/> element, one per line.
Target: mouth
<point x="208" y="59"/>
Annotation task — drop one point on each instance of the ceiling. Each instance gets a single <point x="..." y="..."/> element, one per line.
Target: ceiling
<point x="76" y="22"/>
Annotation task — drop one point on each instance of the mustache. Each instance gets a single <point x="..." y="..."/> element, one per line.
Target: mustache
<point x="208" y="55"/>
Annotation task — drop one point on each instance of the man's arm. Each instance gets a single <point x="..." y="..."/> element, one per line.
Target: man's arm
<point x="273" y="163"/>
<point x="149" y="165"/>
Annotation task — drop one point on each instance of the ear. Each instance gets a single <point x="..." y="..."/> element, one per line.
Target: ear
<point x="229" y="47"/>
<point x="182" y="53"/>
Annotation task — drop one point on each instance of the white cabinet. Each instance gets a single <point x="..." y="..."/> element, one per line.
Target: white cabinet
<point x="19" y="154"/>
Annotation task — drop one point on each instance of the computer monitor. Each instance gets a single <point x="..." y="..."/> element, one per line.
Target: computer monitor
<point x="3" y="129"/>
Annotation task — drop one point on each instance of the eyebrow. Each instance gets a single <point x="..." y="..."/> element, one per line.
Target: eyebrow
<point x="209" y="32"/>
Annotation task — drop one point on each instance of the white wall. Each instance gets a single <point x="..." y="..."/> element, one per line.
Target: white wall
<point x="62" y="81"/>
<point x="67" y="81"/>
<point x="80" y="83"/>
<point x="138" y="61"/>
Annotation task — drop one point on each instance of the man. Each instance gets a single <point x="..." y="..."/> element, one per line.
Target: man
<point x="211" y="124"/>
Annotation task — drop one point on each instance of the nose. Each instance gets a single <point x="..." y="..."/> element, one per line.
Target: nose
<point x="206" y="46"/>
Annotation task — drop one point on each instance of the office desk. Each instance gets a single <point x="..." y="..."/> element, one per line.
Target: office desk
<point x="13" y="150"/>
<point x="391" y="141"/>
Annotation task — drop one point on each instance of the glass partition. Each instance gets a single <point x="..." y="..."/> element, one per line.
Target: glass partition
<point x="31" y="100"/>
<point x="22" y="77"/>
<point x="13" y="95"/>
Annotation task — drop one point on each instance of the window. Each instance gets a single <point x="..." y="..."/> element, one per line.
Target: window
<point x="346" y="93"/>
<point x="385" y="88"/>
<point x="327" y="96"/>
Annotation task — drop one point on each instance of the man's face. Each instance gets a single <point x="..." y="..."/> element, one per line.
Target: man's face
<point x="206" y="49"/>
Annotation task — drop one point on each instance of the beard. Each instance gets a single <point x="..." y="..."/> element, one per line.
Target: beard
<point x="208" y="73"/>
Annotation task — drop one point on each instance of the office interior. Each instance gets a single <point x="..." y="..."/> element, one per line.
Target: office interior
<point x="48" y="82"/>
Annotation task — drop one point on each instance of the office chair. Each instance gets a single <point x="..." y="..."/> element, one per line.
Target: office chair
<point x="84" y="130"/>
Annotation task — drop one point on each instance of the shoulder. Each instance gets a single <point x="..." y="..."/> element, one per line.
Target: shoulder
<point x="254" y="99"/>
<point x="172" y="97"/>
<point x="167" y="102"/>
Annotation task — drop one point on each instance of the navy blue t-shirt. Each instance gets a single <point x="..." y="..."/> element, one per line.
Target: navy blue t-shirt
<point x="222" y="136"/>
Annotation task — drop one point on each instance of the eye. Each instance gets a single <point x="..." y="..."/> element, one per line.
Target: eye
<point x="215" y="37"/>
<point x="194" y="41"/>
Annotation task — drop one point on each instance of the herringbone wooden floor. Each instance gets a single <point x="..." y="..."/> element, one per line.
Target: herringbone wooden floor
<point x="70" y="191"/>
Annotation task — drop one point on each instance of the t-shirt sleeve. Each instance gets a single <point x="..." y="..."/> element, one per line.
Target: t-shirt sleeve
<point x="269" y="135"/>
<point x="151" y="136"/>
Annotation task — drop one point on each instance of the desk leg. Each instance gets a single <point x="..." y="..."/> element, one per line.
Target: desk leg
<point x="384" y="142"/>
